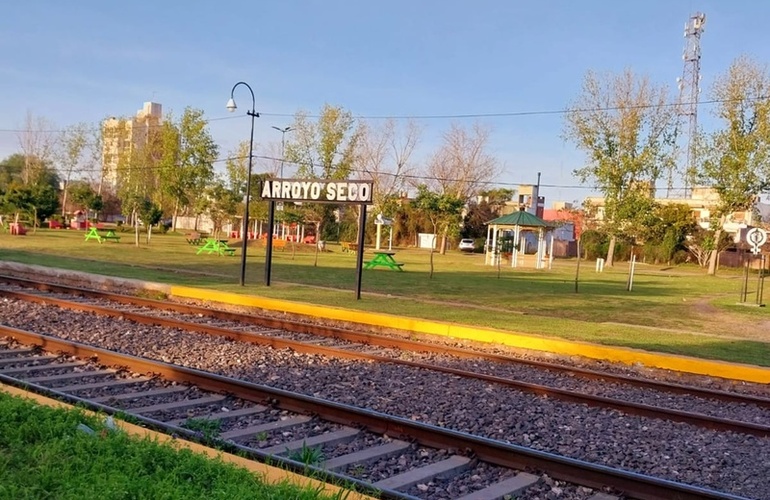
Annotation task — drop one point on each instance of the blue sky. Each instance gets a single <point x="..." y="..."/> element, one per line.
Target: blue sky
<point x="81" y="61"/>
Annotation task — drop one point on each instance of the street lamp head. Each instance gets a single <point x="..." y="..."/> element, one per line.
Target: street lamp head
<point x="231" y="105"/>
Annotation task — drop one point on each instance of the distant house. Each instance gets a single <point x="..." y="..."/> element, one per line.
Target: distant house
<point x="701" y="203"/>
<point x="567" y="223"/>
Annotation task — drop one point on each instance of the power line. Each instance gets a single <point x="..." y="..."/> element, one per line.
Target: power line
<point x="507" y="114"/>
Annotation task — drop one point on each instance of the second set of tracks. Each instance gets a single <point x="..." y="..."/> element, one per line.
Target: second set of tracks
<point x="339" y="343"/>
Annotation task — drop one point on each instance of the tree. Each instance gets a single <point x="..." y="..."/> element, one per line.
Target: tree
<point x="11" y="169"/>
<point x="188" y="153"/>
<point x="736" y="158"/>
<point x="666" y="231"/>
<point x="37" y="143"/>
<point x="84" y="196"/>
<point x="701" y="243"/>
<point x="476" y="218"/>
<point x="150" y="213"/>
<point x="37" y="200"/>
<point x="496" y="198"/>
<point x="462" y="164"/>
<point x="12" y="172"/>
<point x="384" y="157"/>
<point x="625" y="126"/>
<point x="72" y="146"/>
<point x="443" y="210"/>
<point x="323" y="149"/>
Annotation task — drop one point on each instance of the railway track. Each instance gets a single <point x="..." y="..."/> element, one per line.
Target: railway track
<point x="338" y="343"/>
<point x="356" y="445"/>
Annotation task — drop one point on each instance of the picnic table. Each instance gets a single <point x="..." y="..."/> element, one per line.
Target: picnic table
<point x="93" y="234"/>
<point x="195" y="238"/>
<point x="213" y="245"/>
<point x="348" y="247"/>
<point x="384" y="259"/>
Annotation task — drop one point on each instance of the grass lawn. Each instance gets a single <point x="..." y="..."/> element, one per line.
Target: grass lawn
<point x="43" y="454"/>
<point x="675" y="310"/>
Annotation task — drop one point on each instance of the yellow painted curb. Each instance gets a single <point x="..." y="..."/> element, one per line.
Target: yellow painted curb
<point x="265" y="473"/>
<point x="735" y="371"/>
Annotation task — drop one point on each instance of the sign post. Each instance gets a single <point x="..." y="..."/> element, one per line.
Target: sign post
<point x="332" y="191"/>
<point x="755" y="237"/>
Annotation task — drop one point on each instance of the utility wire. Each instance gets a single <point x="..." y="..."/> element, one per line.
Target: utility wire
<point x="460" y="116"/>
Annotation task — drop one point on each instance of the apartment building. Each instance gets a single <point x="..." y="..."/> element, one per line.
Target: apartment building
<point x="121" y="136"/>
<point x="701" y="203"/>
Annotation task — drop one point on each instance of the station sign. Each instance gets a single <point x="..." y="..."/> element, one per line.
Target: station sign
<point x="317" y="191"/>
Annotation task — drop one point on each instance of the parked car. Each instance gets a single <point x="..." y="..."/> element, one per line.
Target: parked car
<point x="467" y="245"/>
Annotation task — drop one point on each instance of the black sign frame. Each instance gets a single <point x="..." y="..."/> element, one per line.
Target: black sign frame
<point x="305" y="195"/>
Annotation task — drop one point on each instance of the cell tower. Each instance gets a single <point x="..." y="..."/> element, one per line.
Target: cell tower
<point x="689" y="89"/>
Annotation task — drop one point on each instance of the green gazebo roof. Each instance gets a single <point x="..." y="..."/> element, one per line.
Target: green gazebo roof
<point x="520" y="218"/>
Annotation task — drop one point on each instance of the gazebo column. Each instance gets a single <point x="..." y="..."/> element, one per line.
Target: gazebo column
<point x="515" y="249"/>
<point x="486" y="246"/>
<point x="540" y="248"/>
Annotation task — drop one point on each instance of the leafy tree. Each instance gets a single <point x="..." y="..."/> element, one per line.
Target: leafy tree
<point x="702" y="242"/>
<point x="150" y="213"/>
<point x="443" y="211"/>
<point x="668" y="227"/>
<point x="496" y="198"/>
<point x="736" y="158"/>
<point x="72" y="146"/>
<point x="223" y="205"/>
<point x="38" y="201"/>
<point x="323" y="149"/>
<point x="236" y="171"/>
<point x="625" y="126"/>
<point x="84" y="196"/>
<point x="11" y="170"/>
<point x="475" y="221"/>
<point x="187" y="159"/>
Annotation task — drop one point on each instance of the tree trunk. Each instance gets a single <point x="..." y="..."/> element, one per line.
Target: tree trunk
<point x="715" y="253"/>
<point x="149" y="234"/>
<point x="611" y="252"/>
<point x="64" y="199"/>
<point x="577" y="267"/>
<point x="443" y="243"/>
<point x="173" y="216"/>
<point x="433" y="244"/>
<point x="136" y="228"/>
<point x="317" y="242"/>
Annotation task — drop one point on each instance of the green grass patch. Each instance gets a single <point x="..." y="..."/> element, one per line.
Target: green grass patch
<point x="43" y="454"/>
<point x="670" y="309"/>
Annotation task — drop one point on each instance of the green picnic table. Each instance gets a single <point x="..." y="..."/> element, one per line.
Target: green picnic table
<point x="384" y="259"/>
<point x="213" y="245"/>
<point x="93" y="234"/>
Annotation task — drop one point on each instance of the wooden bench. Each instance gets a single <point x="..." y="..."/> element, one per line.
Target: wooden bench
<point x="279" y="244"/>
<point x="348" y="247"/>
<point x="193" y="238"/>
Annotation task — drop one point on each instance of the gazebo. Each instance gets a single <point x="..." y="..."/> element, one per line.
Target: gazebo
<point x="519" y="222"/>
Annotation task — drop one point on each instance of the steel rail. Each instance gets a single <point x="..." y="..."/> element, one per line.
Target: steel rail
<point x="631" y="408"/>
<point x="506" y="455"/>
<point x="382" y="341"/>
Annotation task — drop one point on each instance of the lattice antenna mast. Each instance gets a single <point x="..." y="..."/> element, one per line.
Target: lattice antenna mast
<point x="689" y="90"/>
